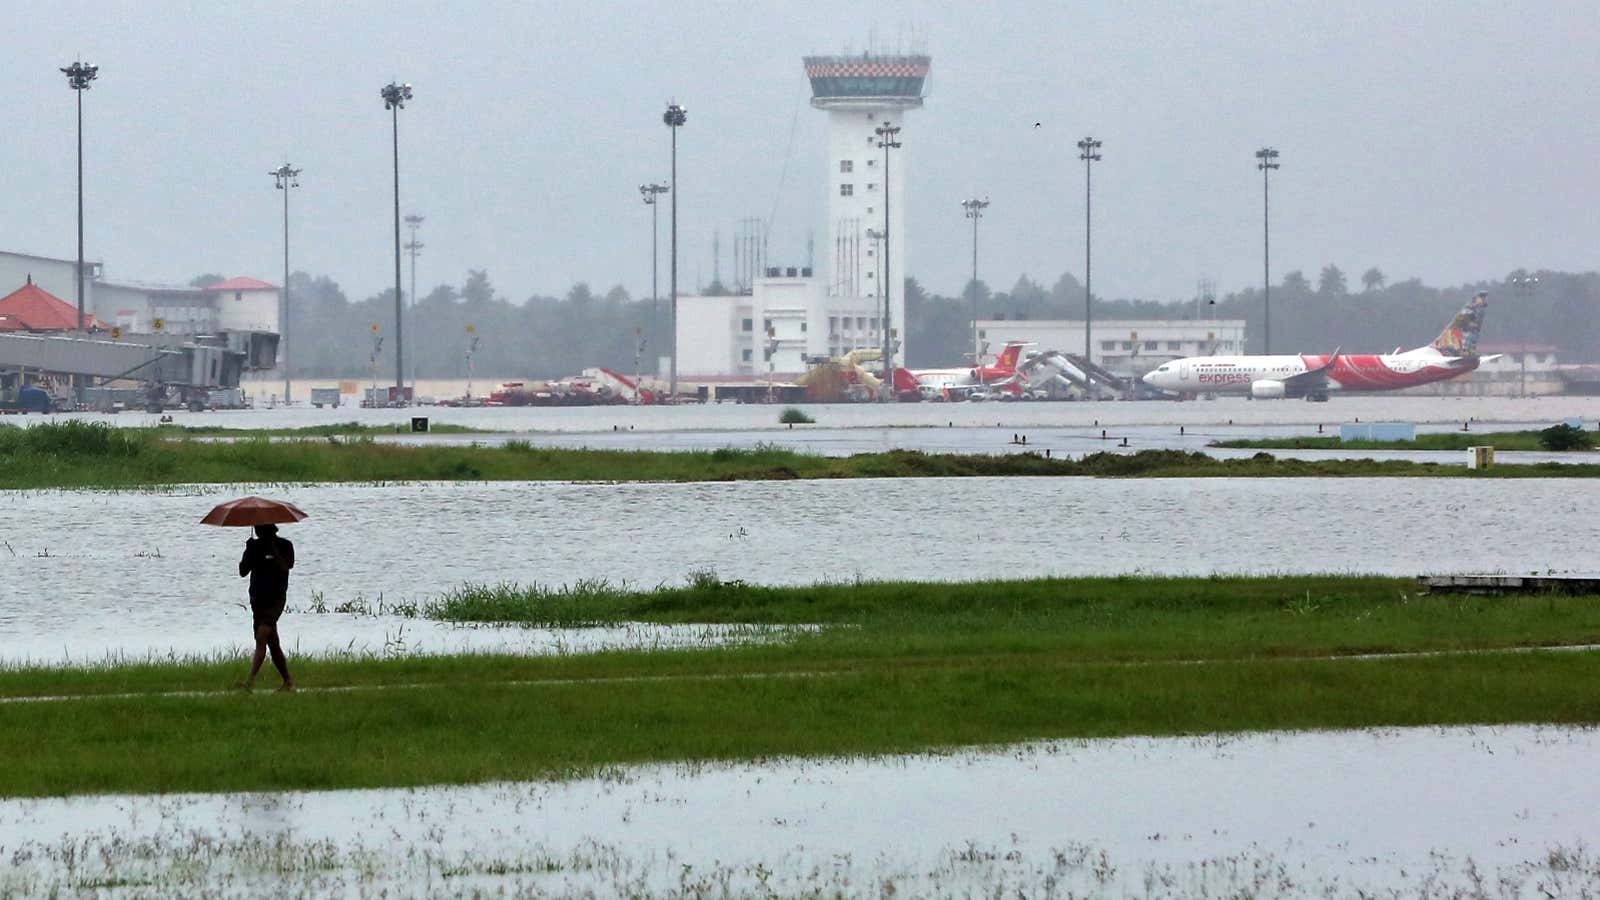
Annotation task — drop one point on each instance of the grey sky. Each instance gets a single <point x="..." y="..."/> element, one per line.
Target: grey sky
<point x="1451" y="141"/>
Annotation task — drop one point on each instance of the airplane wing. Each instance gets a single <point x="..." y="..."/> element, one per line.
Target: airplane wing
<point x="1311" y="380"/>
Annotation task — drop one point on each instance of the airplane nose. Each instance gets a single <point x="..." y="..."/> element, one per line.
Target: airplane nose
<point x="1148" y="378"/>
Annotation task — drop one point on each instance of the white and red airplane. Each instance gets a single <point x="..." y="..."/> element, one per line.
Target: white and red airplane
<point x="1453" y="353"/>
<point x="1000" y="376"/>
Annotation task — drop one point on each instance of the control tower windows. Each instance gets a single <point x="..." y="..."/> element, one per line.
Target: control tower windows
<point x="846" y="166"/>
<point x="847" y="190"/>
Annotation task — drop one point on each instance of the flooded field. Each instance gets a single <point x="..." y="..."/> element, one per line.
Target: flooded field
<point x="736" y="417"/>
<point x="1070" y="442"/>
<point x="1411" y="812"/>
<point x="87" y="574"/>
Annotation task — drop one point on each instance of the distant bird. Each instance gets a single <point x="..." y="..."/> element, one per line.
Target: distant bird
<point x="1036" y="124"/>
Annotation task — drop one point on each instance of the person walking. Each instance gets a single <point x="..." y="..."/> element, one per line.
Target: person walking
<point x="267" y="560"/>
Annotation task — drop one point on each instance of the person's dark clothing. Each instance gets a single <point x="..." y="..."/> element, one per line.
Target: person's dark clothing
<point x="264" y="611"/>
<point x="267" y="561"/>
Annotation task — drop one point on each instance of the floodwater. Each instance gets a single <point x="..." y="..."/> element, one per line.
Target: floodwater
<point x="90" y="574"/>
<point x="746" y="417"/>
<point x="1072" y="443"/>
<point x="1436" y="812"/>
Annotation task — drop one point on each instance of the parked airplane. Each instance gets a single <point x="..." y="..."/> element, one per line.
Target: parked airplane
<point x="1452" y="354"/>
<point x="935" y="382"/>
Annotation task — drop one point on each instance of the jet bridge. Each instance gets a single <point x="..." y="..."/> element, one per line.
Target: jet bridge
<point x="1072" y="372"/>
<point x="187" y="362"/>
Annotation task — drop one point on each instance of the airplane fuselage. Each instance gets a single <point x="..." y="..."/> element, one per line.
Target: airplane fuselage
<point x="1257" y="375"/>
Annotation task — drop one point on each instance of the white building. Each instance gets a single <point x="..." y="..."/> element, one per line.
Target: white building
<point x="238" y="304"/>
<point x="1125" y="346"/>
<point x="861" y="94"/>
<point x="794" y="313"/>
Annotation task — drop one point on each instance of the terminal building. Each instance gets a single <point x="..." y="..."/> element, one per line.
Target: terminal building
<point x="795" y="313"/>
<point x="1128" y="347"/>
<point x="238" y="304"/>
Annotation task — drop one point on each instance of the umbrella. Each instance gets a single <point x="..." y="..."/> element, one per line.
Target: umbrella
<point x="247" y="511"/>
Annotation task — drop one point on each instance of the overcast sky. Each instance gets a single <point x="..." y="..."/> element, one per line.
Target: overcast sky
<point x="1451" y="141"/>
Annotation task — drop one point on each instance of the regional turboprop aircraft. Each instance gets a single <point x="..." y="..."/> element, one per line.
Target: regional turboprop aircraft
<point x="1452" y="354"/>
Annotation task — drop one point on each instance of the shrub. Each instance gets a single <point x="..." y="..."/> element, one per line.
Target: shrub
<point x="1565" y="437"/>
<point x="794" y="415"/>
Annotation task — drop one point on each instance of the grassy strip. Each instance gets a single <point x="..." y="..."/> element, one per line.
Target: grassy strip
<point x="478" y="732"/>
<point x="1453" y="440"/>
<point x="906" y="666"/>
<point x="83" y="455"/>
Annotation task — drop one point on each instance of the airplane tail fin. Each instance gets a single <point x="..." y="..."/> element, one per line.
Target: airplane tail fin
<point x="1008" y="357"/>
<point x="904" y="381"/>
<point x="1460" y="337"/>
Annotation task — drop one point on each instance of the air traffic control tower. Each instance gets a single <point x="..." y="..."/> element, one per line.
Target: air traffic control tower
<point x="859" y="94"/>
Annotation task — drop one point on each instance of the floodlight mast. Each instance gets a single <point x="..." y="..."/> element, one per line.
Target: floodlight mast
<point x="674" y="118"/>
<point x="975" y="208"/>
<point x="1089" y="152"/>
<point x="887" y="139"/>
<point x="413" y="249"/>
<point x="79" y="76"/>
<point x="1267" y="160"/>
<point x="285" y="177"/>
<point x="650" y="192"/>
<point x="394" y="99"/>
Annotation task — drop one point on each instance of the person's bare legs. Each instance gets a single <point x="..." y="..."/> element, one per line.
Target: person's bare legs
<point x="261" y="653"/>
<point x="278" y="660"/>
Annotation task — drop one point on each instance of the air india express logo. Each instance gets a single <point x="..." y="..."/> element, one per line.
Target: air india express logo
<point x="1224" y="377"/>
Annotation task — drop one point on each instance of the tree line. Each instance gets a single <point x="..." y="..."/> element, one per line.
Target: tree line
<point x="545" y="337"/>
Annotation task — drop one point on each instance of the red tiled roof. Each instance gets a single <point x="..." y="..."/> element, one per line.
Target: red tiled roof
<point x="241" y="284"/>
<point x="32" y="308"/>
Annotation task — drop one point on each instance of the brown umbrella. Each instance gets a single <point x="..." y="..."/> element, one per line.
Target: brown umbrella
<point x="247" y="511"/>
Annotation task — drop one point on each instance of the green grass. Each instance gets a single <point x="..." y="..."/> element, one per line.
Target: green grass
<point x="85" y="455"/>
<point x="1451" y="440"/>
<point x="899" y="667"/>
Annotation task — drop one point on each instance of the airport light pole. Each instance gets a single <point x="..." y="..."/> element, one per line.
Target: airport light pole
<point x="1089" y="152"/>
<point x="876" y="237"/>
<point x="650" y="192"/>
<point x="673" y="118"/>
<point x="394" y="99"/>
<point x="887" y="139"/>
<point x="413" y="247"/>
<point x="1267" y="161"/>
<point x="79" y="76"/>
<point x="285" y="178"/>
<point x="975" y="208"/>
<point x="1524" y="286"/>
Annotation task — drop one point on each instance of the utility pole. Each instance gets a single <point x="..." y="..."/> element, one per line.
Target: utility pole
<point x="887" y="135"/>
<point x="1089" y="152"/>
<point x="394" y="99"/>
<point x="287" y="177"/>
<point x="674" y="118"/>
<point x="1268" y="160"/>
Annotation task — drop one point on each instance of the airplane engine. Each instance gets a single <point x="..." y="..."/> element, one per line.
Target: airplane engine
<point x="1267" y="389"/>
